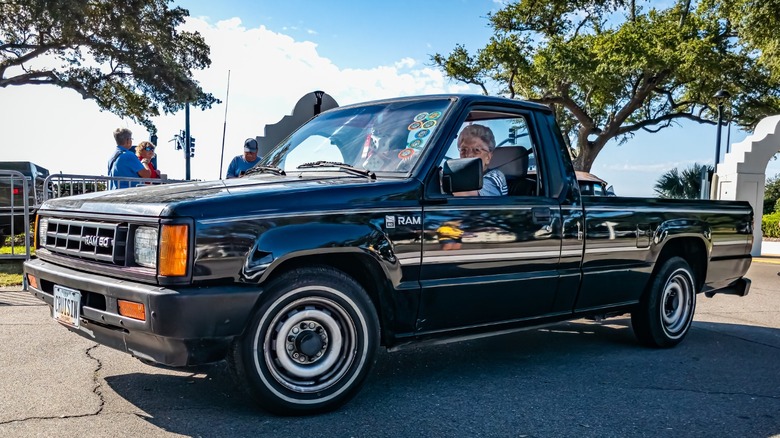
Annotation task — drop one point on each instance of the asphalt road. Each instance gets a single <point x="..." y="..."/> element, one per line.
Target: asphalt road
<point x="575" y="379"/>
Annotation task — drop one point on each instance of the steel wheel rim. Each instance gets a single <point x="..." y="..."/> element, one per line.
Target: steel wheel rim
<point x="314" y="372"/>
<point x="677" y="302"/>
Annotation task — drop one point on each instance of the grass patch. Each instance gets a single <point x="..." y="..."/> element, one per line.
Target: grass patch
<point x="17" y="250"/>
<point x="10" y="273"/>
<point x="10" y="280"/>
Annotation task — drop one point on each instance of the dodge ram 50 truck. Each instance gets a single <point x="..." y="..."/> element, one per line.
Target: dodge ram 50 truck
<point x="347" y="237"/>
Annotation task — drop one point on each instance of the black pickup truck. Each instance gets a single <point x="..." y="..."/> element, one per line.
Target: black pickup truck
<point x="347" y="237"/>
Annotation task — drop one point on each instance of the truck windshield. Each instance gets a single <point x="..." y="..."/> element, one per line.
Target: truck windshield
<point x="381" y="137"/>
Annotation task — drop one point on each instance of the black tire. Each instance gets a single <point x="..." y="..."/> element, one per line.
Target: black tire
<point x="328" y="330"/>
<point x="666" y="309"/>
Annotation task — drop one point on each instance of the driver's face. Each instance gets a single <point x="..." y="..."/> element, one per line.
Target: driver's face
<point x="250" y="156"/>
<point x="474" y="147"/>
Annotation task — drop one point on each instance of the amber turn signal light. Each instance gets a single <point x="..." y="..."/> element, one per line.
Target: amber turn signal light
<point x="132" y="310"/>
<point x="173" y="250"/>
<point x="32" y="281"/>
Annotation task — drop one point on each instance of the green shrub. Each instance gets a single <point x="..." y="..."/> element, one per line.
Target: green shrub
<point x="770" y="225"/>
<point x="777" y="206"/>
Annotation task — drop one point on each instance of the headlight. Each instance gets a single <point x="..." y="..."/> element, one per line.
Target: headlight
<point x="43" y="227"/>
<point x="145" y="246"/>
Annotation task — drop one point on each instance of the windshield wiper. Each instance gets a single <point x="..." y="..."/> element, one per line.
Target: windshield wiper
<point x="343" y="166"/>
<point x="264" y="169"/>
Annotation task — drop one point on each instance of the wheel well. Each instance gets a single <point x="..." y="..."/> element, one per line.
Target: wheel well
<point x="691" y="249"/>
<point x="360" y="267"/>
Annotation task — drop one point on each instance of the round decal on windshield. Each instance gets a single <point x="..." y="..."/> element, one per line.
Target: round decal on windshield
<point x="422" y="133"/>
<point x="415" y="125"/>
<point x="429" y="124"/>
<point x="420" y="117"/>
<point x="415" y="144"/>
<point x="406" y="154"/>
<point x="434" y="115"/>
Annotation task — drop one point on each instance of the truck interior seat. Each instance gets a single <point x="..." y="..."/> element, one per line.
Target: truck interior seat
<point x="513" y="162"/>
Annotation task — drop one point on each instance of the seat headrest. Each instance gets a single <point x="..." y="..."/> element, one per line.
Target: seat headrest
<point x="511" y="160"/>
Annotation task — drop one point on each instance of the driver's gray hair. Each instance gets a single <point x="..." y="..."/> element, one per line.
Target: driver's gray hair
<point x="481" y="132"/>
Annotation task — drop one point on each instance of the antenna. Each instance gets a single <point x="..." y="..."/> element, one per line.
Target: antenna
<point x="224" y="125"/>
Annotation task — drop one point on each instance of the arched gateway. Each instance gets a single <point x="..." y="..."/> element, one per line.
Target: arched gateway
<point x="742" y="174"/>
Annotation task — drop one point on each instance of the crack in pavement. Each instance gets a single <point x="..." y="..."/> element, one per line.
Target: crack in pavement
<point x="97" y="390"/>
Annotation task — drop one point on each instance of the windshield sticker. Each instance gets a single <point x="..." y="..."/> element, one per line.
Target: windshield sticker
<point x="406" y="154"/>
<point x="434" y="115"/>
<point x="416" y="144"/>
<point x="420" y="117"/>
<point x="414" y="125"/>
<point x="366" y="146"/>
<point x="422" y="133"/>
<point x="429" y="124"/>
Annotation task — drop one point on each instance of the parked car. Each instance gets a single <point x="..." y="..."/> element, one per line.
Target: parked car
<point x="347" y="237"/>
<point x="591" y="185"/>
<point x="12" y="194"/>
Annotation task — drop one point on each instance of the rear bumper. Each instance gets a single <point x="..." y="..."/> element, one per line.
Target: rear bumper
<point x="183" y="326"/>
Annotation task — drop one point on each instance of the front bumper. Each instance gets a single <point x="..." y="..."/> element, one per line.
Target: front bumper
<point x="183" y="326"/>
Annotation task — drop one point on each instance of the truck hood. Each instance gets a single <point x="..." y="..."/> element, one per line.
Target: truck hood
<point x="161" y="200"/>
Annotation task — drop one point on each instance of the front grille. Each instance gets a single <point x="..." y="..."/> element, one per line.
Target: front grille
<point x="90" y="240"/>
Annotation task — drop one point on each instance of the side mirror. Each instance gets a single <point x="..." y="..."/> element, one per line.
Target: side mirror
<point x="611" y="191"/>
<point x="461" y="175"/>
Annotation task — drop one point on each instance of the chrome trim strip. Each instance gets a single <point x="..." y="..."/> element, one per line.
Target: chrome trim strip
<point x="410" y="260"/>
<point x="373" y="211"/>
<point x="458" y="258"/>
<point x="618" y="249"/>
<point x="591" y="209"/>
<point x="730" y="242"/>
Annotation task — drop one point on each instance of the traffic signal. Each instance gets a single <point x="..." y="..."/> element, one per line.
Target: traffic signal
<point x="178" y="139"/>
<point x="192" y="146"/>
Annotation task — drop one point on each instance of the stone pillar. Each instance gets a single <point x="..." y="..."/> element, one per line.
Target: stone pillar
<point x="742" y="174"/>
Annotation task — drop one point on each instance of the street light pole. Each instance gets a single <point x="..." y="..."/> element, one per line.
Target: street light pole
<point x="720" y="97"/>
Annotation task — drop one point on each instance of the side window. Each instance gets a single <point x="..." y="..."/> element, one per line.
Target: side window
<point x="514" y="156"/>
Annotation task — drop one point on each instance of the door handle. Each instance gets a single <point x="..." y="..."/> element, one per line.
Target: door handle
<point x="541" y="215"/>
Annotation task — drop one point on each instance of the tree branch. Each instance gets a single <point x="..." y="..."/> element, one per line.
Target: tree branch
<point x="661" y="119"/>
<point x="36" y="78"/>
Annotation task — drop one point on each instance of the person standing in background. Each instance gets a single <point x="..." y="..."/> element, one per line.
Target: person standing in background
<point x="124" y="163"/>
<point x="242" y="163"/>
<point x="145" y="153"/>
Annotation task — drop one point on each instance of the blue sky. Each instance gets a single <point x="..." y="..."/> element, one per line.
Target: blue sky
<point x="277" y="51"/>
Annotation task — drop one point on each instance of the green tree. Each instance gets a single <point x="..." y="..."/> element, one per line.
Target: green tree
<point x="610" y="68"/>
<point x="681" y="185"/>
<point x="771" y="194"/>
<point x="127" y="56"/>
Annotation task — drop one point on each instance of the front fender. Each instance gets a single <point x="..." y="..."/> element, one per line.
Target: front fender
<point x="282" y="243"/>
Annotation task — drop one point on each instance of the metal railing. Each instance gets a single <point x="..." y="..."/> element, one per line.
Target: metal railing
<point x="60" y="185"/>
<point x="16" y="215"/>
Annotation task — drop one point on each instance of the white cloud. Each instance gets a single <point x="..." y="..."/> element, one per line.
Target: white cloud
<point x="405" y="63"/>
<point x="269" y="72"/>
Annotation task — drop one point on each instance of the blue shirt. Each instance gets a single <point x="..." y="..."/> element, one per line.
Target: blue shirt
<point x="494" y="184"/>
<point x="126" y="165"/>
<point x="238" y="165"/>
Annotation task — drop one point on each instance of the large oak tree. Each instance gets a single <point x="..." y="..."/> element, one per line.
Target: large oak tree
<point x="610" y="68"/>
<point x="128" y="56"/>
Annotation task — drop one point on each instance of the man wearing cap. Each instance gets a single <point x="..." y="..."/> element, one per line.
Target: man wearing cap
<point x="242" y="163"/>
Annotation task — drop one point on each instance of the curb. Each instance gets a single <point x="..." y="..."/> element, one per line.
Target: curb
<point x="775" y="260"/>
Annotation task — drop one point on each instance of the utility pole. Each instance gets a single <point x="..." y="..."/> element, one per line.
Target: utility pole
<point x="187" y="141"/>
